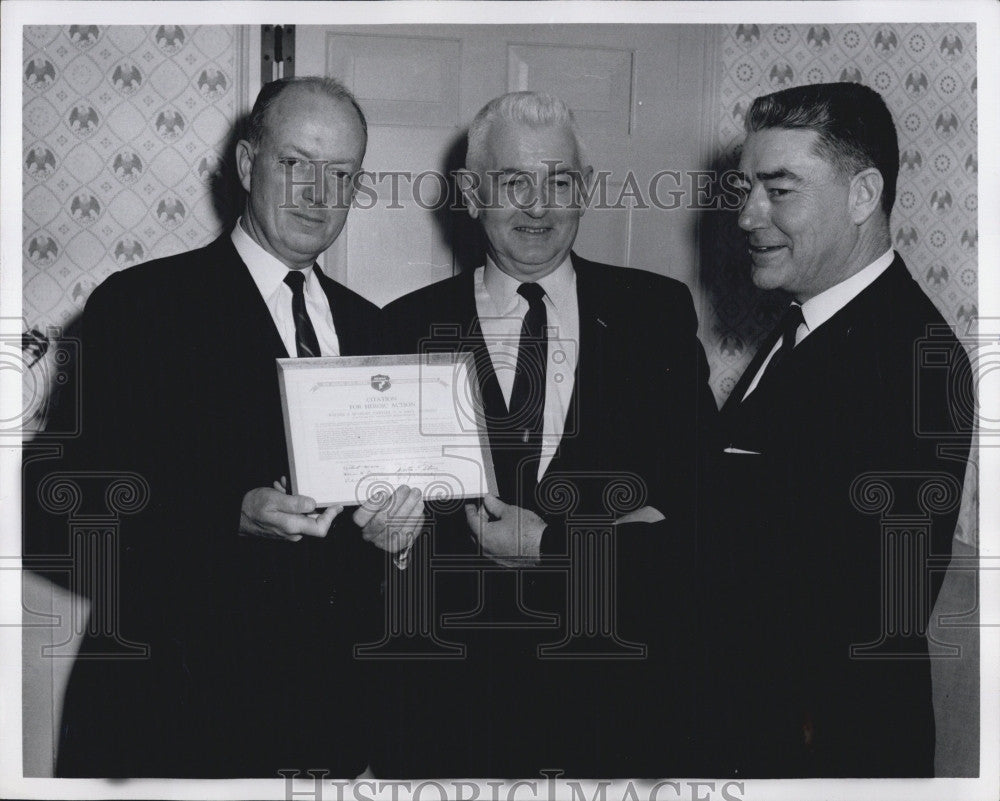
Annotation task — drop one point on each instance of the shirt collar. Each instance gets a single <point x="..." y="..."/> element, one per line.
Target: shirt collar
<point x="817" y="310"/>
<point x="559" y="286"/>
<point x="267" y="271"/>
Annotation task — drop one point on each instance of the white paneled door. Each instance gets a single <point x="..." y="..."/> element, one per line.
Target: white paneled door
<point x="637" y="92"/>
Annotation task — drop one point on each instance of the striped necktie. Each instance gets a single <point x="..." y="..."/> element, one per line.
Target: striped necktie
<point x="306" y="343"/>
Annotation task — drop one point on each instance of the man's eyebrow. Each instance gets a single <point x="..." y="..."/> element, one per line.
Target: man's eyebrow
<point x="775" y="175"/>
<point x="504" y="171"/>
<point x="510" y="171"/>
<point x="293" y="150"/>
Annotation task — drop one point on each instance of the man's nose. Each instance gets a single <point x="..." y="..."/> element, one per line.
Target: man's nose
<point x="536" y="204"/>
<point x="753" y="214"/>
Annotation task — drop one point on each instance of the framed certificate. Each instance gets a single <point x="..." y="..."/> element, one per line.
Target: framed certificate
<point x="357" y="427"/>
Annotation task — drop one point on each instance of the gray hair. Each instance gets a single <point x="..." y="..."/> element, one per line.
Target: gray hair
<point x="270" y="92"/>
<point x="537" y="109"/>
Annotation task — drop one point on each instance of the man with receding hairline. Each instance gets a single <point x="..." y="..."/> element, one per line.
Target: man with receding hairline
<point x="248" y="607"/>
<point x="826" y="613"/>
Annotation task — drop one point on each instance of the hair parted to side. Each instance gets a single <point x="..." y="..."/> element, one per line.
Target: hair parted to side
<point x="527" y="108"/>
<point x="257" y="121"/>
<point x="855" y="127"/>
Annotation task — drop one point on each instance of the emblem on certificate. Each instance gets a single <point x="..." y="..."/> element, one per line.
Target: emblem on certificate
<point x="357" y="427"/>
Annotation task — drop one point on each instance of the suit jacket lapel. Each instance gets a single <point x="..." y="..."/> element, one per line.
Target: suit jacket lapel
<point x="471" y="334"/>
<point x="736" y="396"/>
<point x="461" y="310"/>
<point x="244" y="307"/>
<point x="594" y="332"/>
<point x="343" y="313"/>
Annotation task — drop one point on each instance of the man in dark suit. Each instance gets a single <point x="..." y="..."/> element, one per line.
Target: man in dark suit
<point x="594" y="388"/>
<point x="249" y="637"/>
<point x="841" y="469"/>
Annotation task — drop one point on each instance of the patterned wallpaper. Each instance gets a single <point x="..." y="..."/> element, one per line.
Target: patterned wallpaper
<point x="927" y="75"/>
<point x="124" y="132"/>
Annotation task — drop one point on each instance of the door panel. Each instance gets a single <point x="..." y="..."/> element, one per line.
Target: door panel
<point x="404" y="80"/>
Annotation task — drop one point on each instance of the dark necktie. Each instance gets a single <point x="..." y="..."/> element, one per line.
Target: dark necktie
<point x="789" y="326"/>
<point x="527" y="396"/>
<point x="306" y="343"/>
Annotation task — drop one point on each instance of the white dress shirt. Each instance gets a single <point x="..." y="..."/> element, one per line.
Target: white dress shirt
<point x="501" y="312"/>
<point x="817" y="310"/>
<point x="268" y="274"/>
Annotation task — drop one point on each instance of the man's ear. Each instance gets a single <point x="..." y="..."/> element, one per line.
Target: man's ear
<point x="468" y="184"/>
<point x="244" y="162"/>
<point x="865" y="194"/>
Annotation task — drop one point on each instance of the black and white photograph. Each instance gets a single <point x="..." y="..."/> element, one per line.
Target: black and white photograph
<point x="484" y="400"/>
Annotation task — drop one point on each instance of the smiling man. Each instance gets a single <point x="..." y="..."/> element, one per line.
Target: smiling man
<point x="249" y="667"/>
<point x="827" y="439"/>
<point x="592" y="378"/>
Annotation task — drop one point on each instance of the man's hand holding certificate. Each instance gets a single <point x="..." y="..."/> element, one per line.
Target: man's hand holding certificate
<point x="394" y="524"/>
<point x="272" y="513"/>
